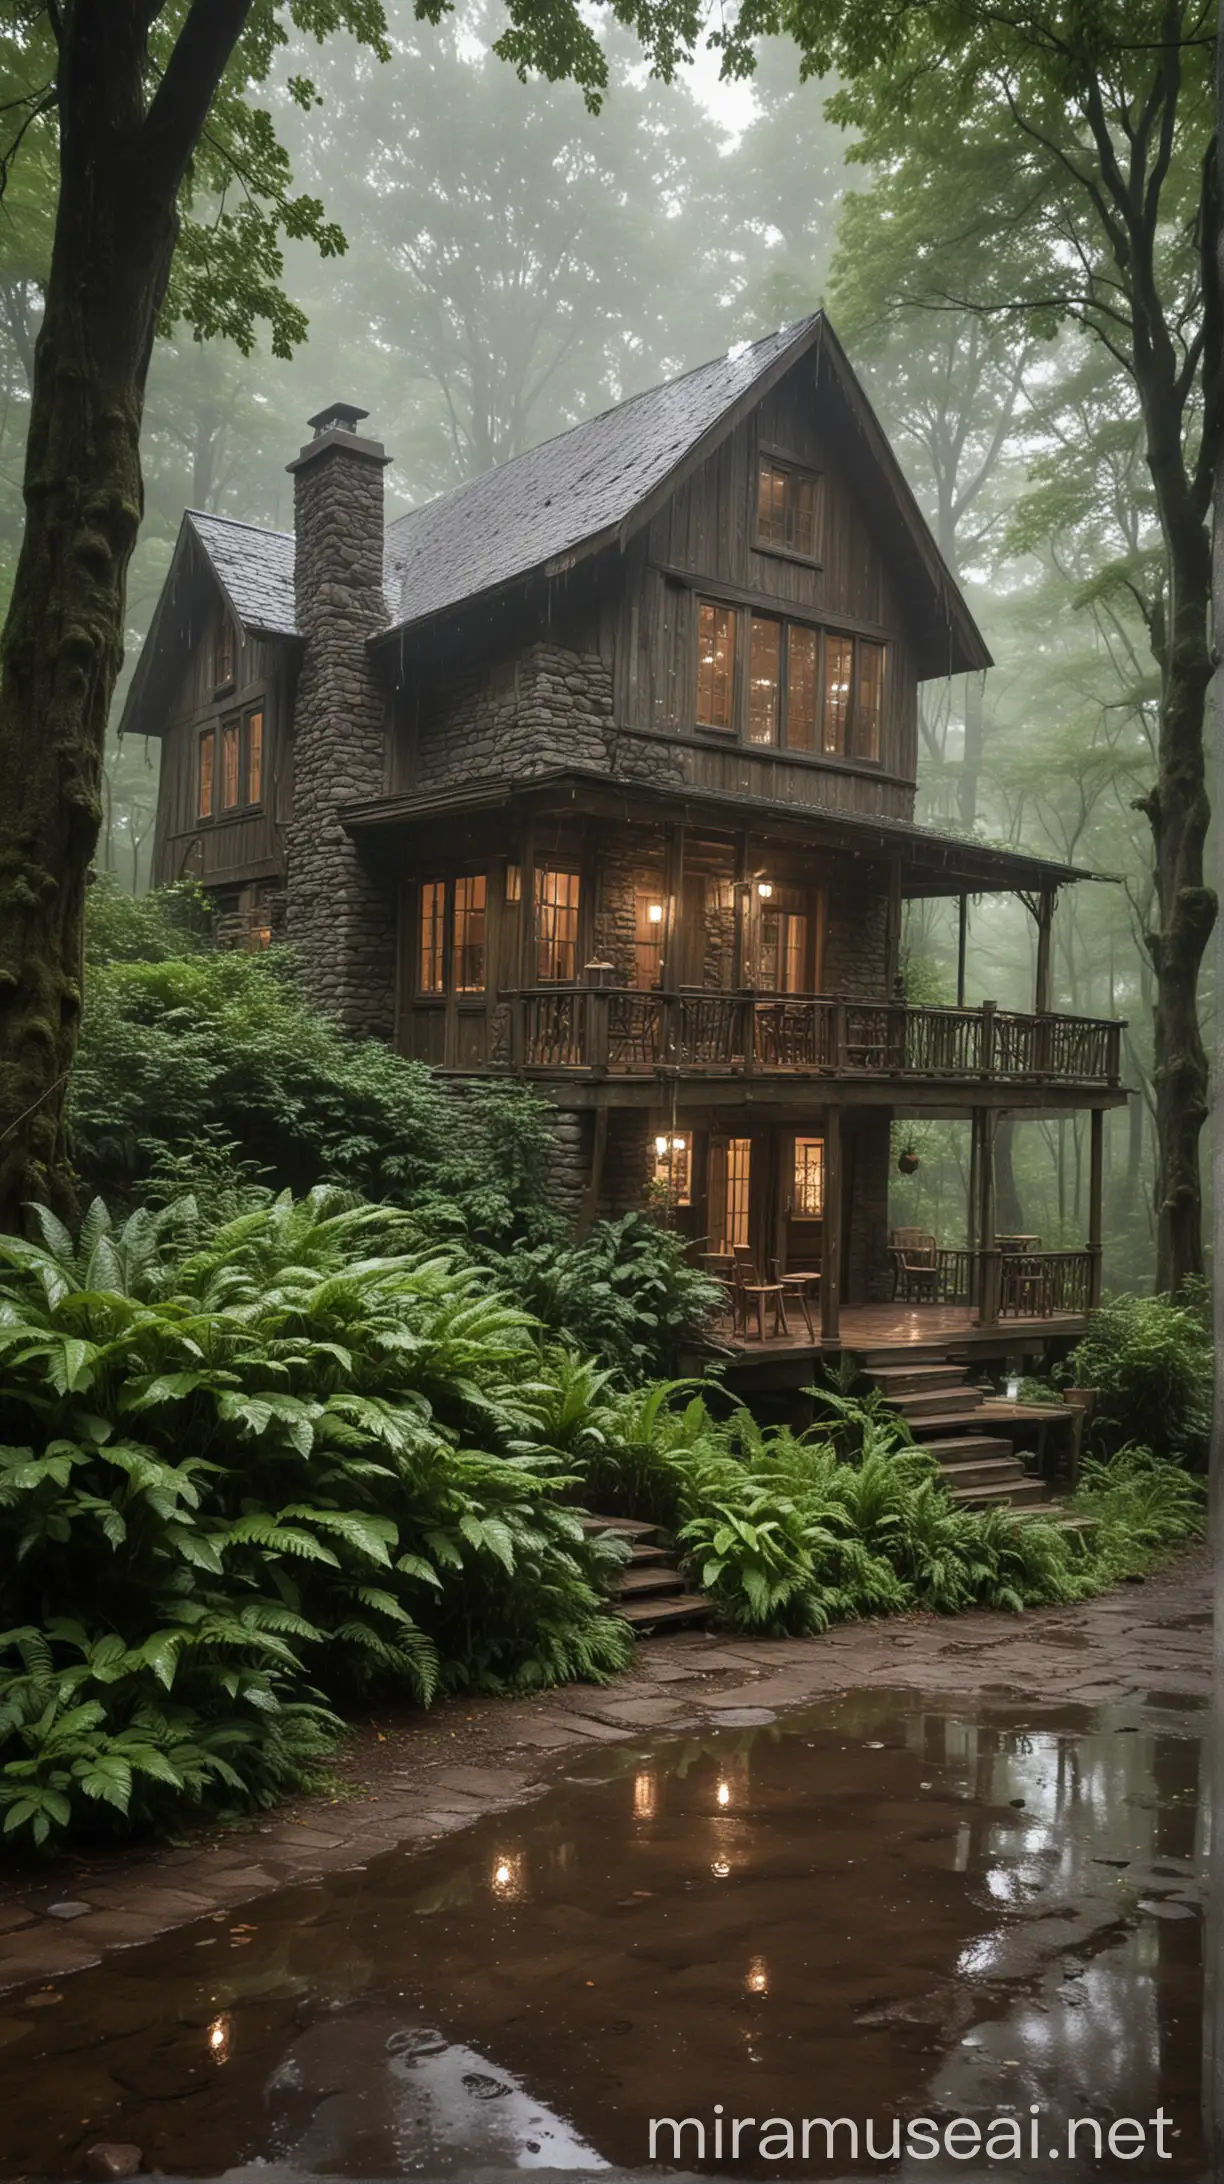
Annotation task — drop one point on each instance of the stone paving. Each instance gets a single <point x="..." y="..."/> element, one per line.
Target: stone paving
<point x="413" y="1779"/>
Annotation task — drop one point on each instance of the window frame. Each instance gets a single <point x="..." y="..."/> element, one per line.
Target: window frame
<point x="743" y="614"/>
<point x="235" y="721"/>
<point x="224" y="660"/>
<point x="790" y="467"/>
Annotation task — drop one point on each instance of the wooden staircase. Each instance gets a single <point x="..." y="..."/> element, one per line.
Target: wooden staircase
<point x="650" y="1592"/>
<point x="944" y="1411"/>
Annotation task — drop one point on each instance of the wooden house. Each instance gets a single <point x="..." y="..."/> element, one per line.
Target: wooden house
<point x="599" y="771"/>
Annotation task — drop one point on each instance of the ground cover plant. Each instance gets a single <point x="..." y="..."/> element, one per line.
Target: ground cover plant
<point x="787" y="1534"/>
<point x="247" y="1475"/>
<point x="1150" y="1361"/>
<point x="206" y="1070"/>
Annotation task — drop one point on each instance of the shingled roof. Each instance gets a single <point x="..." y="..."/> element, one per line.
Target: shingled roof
<point x="585" y="490"/>
<point x="255" y="568"/>
<point x="569" y="492"/>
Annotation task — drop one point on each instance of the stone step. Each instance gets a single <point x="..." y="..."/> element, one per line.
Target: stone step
<point x="917" y="1379"/>
<point x="636" y="1584"/>
<point x="672" y="1614"/>
<point x="642" y="1556"/>
<point x="979" y="1497"/>
<point x="630" y="1528"/>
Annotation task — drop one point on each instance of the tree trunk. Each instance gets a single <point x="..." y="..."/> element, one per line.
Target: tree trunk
<point x="62" y="646"/>
<point x="971" y="762"/>
<point x="1009" y="1213"/>
<point x="1177" y="810"/>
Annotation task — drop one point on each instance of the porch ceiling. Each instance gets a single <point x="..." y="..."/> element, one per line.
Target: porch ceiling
<point x="931" y="863"/>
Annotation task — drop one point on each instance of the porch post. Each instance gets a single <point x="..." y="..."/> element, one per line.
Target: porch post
<point x="527" y="924"/>
<point x="988" y="1292"/>
<point x="742" y="896"/>
<point x="975" y="1193"/>
<point x="962" y="944"/>
<point x="831" y="1231"/>
<point x="673" y="896"/>
<point x="1096" y="1179"/>
<point x="1045" y="919"/>
<point x="892" y="967"/>
<point x="594" y="1183"/>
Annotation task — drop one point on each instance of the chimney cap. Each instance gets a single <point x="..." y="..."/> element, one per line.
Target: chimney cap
<point x="341" y="415"/>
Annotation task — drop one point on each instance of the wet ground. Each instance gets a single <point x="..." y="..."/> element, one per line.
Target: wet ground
<point x="878" y="1906"/>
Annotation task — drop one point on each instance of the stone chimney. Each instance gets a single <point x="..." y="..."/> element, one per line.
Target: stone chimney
<point x="340" y="911"/>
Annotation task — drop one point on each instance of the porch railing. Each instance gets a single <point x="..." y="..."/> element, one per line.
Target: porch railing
<point x="604" y="1030"/>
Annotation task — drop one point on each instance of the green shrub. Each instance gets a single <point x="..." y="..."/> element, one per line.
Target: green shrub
<point x="247" y="1474"/>
<point x="1151" y="1363"/>
<point x="626" y="1292"/>
<point x="208" y="1072"/>
<point x="123" y="928"/>
<point x="786" y="1534"/>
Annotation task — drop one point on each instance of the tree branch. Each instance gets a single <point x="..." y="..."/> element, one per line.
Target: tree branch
<point x="180" y="108"/>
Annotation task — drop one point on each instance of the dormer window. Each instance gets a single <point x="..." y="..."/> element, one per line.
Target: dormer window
<point x="788" y="504"/>
<point x="225" y="650"/>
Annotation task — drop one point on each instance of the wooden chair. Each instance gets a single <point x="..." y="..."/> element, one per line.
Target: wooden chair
<point x="803" y="1284"/>
<point x="1026" y="1290"/>
<point x="754" y="1294"/>
<point x="915" y="1265"/>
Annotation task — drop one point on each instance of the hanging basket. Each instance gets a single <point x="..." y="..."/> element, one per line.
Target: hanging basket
<point x="908" y="1162"/>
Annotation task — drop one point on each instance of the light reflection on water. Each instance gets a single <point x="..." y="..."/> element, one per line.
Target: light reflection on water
<point x="879" y="1906"/>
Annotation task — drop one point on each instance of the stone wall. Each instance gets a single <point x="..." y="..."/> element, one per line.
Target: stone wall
<point x="544" y="709"/>
<point x="628" y="1165"/>
<point x="341" y="916"/>
<point x="570" y="1166"/>
<point x="627" y="857"/>
<point x="856" y="936"/>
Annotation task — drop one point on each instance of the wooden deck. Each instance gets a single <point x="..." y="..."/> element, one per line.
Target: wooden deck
<point x="884" y="1332"/>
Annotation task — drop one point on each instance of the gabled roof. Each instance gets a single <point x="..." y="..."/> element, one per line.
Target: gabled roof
<point x="255" y="569"/>
<point x="570" y="493"/>
<point x="591" y="488"/>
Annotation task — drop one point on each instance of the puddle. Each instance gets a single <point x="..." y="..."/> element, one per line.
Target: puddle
<point x="877" y="1908"/>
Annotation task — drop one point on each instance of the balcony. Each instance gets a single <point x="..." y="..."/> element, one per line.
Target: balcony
<point x="618" y="1032"/>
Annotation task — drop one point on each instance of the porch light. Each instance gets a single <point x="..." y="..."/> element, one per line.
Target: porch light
<point x="654" y="912"/>
<point x="661" y="1147"/>
<point x="764" y="889"/>
<point x="679" y="1144"/>
<point x="724" y="1793"/>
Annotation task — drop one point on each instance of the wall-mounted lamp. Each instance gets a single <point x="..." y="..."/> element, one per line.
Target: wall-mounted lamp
<point x="655" y="913"/>
<point x="764" y="889"/>
<point x="660" y="1146"/>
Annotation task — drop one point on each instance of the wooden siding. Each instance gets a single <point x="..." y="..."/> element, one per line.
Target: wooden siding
<point x="700" y="543"/>
<point x="248" y="843"/>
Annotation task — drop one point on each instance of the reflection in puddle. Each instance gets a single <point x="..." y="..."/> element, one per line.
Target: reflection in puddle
<point x="877" y="1908"/>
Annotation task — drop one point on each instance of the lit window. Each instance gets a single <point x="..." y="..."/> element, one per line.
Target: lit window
<point x="801" y="651"/>
<point x="786" y="509"/>
<point x="869" y="700"/>
<point x="730" y="1176"/>
<point x="431" y="962"/>
<point x="208" y="761"/>
<point x="254" y="757"/>
<point x="470" y="893"/>
<point x="809" y="1177"/>
<point x="556" y="896"/>
<point x="673" y="1171"/>
<point x="764" y="665"/>
<point x="514" y="883"/>
<point x="229" y="765"/>
<point x="715" y="665"/>
<point x="838" y="668"/>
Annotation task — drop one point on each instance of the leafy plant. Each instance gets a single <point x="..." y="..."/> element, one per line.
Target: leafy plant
<point x="1151" y="1363"/>
<point x="250" y="1471"/>
<point x="626" y="1292"/>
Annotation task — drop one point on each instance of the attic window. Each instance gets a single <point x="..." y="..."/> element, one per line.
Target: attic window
<point x="787" y="509"/>
<point x="225" y="650"/>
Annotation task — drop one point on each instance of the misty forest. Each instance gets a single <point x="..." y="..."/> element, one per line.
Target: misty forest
<point x="514" y="263"/>
<point x="308" y="1364"/>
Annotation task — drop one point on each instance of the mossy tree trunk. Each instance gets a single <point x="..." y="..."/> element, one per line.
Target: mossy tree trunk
<point x="122" y="159"/>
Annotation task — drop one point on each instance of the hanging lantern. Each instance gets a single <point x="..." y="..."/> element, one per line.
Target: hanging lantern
<point x="908" y="1162"/>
